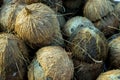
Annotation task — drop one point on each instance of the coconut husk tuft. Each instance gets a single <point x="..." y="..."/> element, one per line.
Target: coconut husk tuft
<point x="13" y="57"/>
<point x="52" y="63"/>
<point x="96" y="9"/>
<point x="37" y="25"/>
<point x="8" y="15"/>
<point x="110" y="75"/>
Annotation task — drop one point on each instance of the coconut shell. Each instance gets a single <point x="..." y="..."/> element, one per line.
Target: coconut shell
<point x="110" y="75"/>
<point x="108" y="25"/>
<point x="13" y="58"/>
<point x="114" y="52"/>
<point x="96" y="9"/>
<point x="86" y="71"/>
<point x="8" y="15"/>
<point x="52" y="63"/>
<point x="87" y="43"/>
<point x="37" y="25"/>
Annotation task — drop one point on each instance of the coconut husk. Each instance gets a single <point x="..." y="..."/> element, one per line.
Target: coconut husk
<point x="8" y="15"/>
<point x="86" y="71"/>
<point x="37" y="25"/>
<point x="13" y="58"/>
<point x="52" y="63"/>
<point x="88" y="44"/>
<point x="31" y="1"/>
<point x="110" y="75"/>
<point x="114" y="52"/>
<point x="117" y="10"/>
<point x="96" y="9"/>
<point x="108" y="25"/>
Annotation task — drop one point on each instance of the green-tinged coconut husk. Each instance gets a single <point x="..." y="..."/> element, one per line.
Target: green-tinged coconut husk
<point x="110" y="75"/>
<point x="117" y="10"/>
<point x="37" y="24"/>
<point x="108" y="25"/>
<point x="87" y="43"/>
<point x="13" y="58"/>
<point x="52" y="63"/>
<point x="96" y="9"/>
<point x="86" y="71"/>
<point x="8" y="15"/>
<point x="114" y="52"/>
<point x="72" y="4"/>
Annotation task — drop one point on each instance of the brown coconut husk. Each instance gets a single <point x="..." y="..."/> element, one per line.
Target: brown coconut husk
<point x="96" y="9"/>
<point x="8" y="15"/>
<point x="108" y="25"/>
<point x="37" y="24"/>
<point x="13" y="58"/>
<point x="52" y="63"/>
<point x="114" y="52"/>
<point x="31" y="1"/>
<point x="110" y="75"/>
<point x="86" y="71"/>
<point x="87" y="43"/>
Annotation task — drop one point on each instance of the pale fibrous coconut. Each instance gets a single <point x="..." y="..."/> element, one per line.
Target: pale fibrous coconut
<point x="86" y="42"/>
<point x="8" y="15"/>
<point x="13" y="58"/>
<point x="110" y="75"/>
<point x="38" y="25"/>
<point x="114" y="52"/>
<point x="52" y="63"/>
<point x="96" y="9"/>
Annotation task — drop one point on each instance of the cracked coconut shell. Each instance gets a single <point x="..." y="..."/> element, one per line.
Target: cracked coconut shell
<point x="38" y="25"/>
<point x="52" y="63"/>
<point x="86" y="42"/>
<point x="8" y="15"/>
<point x="13" y="58"/>
<point x="110" y="75"/>
<point x="96" y="9"/>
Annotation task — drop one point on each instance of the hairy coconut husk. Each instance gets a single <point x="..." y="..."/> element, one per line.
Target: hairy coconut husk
<point x="96" y="9"/>
<point x="31" y="1"/>
<point x="108" y="25"/>
<point x="114" y="52"/>
<point x="37" y="24"/>
<point x="117" y="10"/>
<point x="8" y="15"/>
<point x="110" y="75"/>
<point x="52" y="63"/>
<point x="87" y="43"/>
<point x="13" y="57"/>
<point x="86" y="71"/>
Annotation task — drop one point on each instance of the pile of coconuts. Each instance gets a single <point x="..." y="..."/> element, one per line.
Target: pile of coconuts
<point x="59" y="40"/>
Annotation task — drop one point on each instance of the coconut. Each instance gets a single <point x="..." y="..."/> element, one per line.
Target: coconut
<point x="37" y="25"/>
<point x="8" y="15"/>
<point x="31" y="1"/>
<point x="52" y="63"/>
<point x="86" y="71"/>
<point x="108" y="25"/>
<point x="96" y="9"/>
<point x="86" y="42"/>
<point x="13" y="58"/>
<point x="114" y="52"/>
<point x="110" y="75"/>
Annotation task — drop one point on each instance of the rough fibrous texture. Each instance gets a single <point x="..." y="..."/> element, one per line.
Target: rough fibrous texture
<point x="52" y="63"/>
<point x="96" y="9"/>
<point x="87" y="43"/>
<point x="110" y="75"/>
<point x="114" y="52"/>
<point x="117" y="10"/>
<point x="8" y="15"/>
<point x="13" y="57"/>
<point x="37" y="24"/>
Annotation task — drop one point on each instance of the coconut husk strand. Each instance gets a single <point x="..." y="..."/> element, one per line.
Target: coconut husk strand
<point x="38" y="25"/>
<point x="52" y="63"/>
<point x="13" y="58"/>
<point x="88" y="44"/>
<point x="114" y="52"/>
<point x="86" y="71"/>
<point x="96" y="9"/>
<point x="8" y="15"/>
<point x="110" y="75"/>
